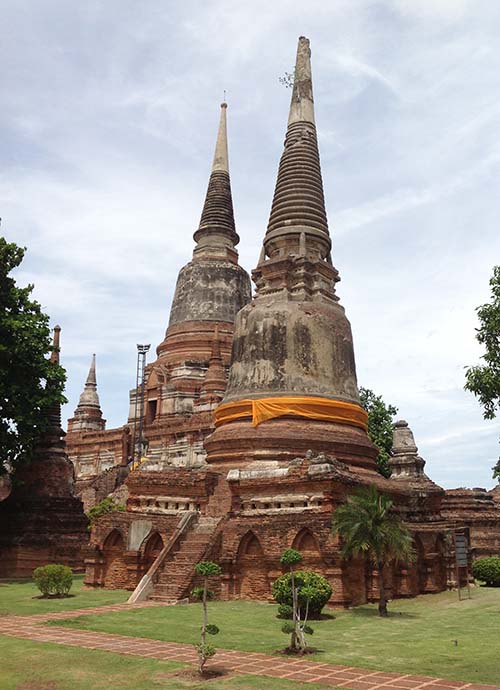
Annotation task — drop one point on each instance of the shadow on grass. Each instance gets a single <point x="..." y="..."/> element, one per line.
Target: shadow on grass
<point x="311" y="619"/>
<point x="290" y="653"/>
<point x="53" y="597"/>
<point x="373" y="613"/>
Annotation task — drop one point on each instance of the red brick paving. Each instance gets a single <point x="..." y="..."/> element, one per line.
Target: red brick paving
<point x="243" y="663"/>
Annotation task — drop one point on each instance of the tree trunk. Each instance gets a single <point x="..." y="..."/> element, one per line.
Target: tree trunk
<point x="382" y="601"/>
<point x="293" y="644"/>
<point x="201" y="655"/>
<point x="205" y="612"/>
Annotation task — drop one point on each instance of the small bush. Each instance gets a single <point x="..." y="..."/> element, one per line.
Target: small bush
<point x="53" y="579"/>
<point x="285" y="611"/>
<point x="107" y="505"/>
<point x="207" y="568"/>
<point x="197" y="593"/>
<point x="318" y="589"/>
<point x="487" y="570"/>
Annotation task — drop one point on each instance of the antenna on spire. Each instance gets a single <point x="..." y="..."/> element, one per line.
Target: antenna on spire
<point x="224" y="95"/>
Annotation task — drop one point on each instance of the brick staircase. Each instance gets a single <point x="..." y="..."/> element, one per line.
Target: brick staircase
<point x="174" y="578"/>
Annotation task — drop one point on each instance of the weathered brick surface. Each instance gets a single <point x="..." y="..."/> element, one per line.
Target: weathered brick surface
<point x="251" y="534"/>
<point x="479" y="510"/>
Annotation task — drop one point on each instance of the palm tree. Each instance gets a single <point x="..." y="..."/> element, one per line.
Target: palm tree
<point x="368" y="525"/>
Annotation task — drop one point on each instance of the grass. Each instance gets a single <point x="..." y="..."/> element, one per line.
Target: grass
<point x="21" y="598"/>
<point x="418" y="637"/>
<point x="44" y="666"/>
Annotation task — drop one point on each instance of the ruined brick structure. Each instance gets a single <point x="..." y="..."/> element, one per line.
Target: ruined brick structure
<point x="100" y="457"/>
<point x="479" y="510"/>
<point x="289" y="441"/>
<point x="41" y="520"/>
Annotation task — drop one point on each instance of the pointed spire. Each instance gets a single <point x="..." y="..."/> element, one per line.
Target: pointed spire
<point x="217" y="228"/>
<point x="298" y="204"/>
<point x="302" y="103"/>
<point x="214" y="383"/>
<point x="221" y="157"/>
<point x="88" y="414"/>
<point x="89" y="396"/>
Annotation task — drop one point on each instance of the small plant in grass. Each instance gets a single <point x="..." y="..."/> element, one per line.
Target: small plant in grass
<point x="487" y="570"/>
<point x="53" y="580"/>
<point x="298" y="627"/>
<point x="205" y="649"/>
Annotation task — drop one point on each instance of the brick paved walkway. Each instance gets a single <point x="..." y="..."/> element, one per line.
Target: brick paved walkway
<point x="243" y="663"/>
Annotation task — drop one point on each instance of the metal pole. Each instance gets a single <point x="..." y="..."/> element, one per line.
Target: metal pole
<point x="141" y="366"/>
<point x="136" y="404"/>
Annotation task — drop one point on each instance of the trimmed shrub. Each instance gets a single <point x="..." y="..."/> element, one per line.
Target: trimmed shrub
<point x="285" y="611"/>
<point x="53" y="579"/>
<point x="318" y="589"/>
<point x="487" y="570"/>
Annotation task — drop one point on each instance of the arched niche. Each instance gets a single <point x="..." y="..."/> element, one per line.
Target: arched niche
<point x="250" y="546"/>
<point x="115" y="570"/>
<point x="152" y="548"/>
<point x="251" y="568"/>
<point x="307" y="544"/>
<point x="113" y="540"/>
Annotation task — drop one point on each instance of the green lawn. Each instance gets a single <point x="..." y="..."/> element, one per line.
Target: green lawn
<point x="43" y="666"/>
<point x="418" y="637"/>
<point x="21" y="598"/>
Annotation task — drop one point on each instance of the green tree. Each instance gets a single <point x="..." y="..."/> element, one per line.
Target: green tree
<point x="368" y="524"/>
<point x="484" y="379"/>
<point x="380" y="426"/>
<point x="205" y="650"/>
<point x="29" y="382"/>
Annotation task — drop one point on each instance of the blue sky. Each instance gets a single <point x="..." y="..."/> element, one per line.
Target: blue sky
<point x="109" y="115"/>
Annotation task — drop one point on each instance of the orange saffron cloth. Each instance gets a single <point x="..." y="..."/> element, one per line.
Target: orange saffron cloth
<point x="321" y="409"/>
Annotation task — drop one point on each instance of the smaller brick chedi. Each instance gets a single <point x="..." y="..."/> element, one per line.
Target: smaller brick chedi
<point x="188" y="378"/>
<point x="210" y="290"/>
<point x="42" y="521"/>
<point x="290" y="438"/>
<point x="88" y="414"/>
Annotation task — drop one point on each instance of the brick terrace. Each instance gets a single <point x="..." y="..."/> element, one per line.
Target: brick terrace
<point x="231" y="661"/>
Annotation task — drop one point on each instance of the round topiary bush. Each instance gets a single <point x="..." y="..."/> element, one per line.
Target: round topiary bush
<point x="317" y="586"/>
<point x="487" y="570"/>
<point x="53" y="580"/>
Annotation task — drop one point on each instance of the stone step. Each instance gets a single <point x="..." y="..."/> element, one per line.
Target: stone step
<point x="171" y="588"/>
<point x="175" y="577"/>
<point x="186" y="558"/>
<point x="165" y="600"/>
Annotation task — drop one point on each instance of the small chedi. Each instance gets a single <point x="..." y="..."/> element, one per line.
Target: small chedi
<point x="42" y="521"/>
<point x="252" y="424"/>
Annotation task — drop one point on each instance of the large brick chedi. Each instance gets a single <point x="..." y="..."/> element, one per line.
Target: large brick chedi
<point x="42" y="521"/>
<point x="292" y="350"/>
